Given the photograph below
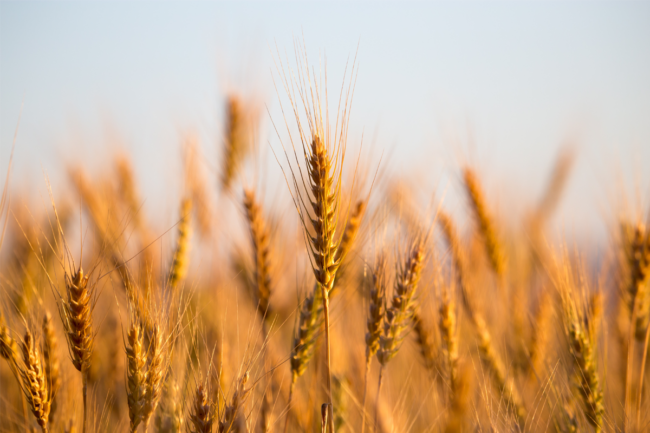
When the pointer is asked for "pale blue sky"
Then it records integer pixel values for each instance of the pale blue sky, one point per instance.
(517, 76)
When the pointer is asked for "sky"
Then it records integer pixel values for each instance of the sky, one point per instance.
(499, 84)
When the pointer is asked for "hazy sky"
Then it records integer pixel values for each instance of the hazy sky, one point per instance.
(503, 83)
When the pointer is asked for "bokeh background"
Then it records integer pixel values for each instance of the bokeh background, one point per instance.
(503, 85)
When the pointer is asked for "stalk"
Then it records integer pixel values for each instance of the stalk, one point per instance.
(381, 377)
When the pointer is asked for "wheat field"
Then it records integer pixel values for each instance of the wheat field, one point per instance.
(371, 310)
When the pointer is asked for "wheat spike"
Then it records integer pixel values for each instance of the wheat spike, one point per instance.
(540, 338)
(376, 308)
(136, 375)
(8, 346)
(401, 310)
(351, 231)
(638, 287)
(202, 416)
(484, 220)
(305, 339)
(77, 314)
(239, 122)
(181, 253)
(449, 334)
(34, 382)
(582, 346)
(51, 360)
(425, 341)
(260, 239)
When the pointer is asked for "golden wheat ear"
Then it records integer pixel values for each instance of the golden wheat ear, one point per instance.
(400, 313)
(34, 382)
(136, 374)
(76, 310)
(485, 221)
(202, 413)
(449, 332)
(8, 346)
(181, 252)
(260, 239)
(582, 347)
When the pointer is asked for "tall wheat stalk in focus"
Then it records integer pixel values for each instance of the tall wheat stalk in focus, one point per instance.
(318, 198)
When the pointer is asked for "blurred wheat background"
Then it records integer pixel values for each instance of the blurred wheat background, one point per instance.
(283, 217)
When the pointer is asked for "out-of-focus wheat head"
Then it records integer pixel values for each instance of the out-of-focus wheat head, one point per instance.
(260, 239)
(240, 127)
(485, 221)
(181, 252)
(202, 412)
(400, 313)
(580, 330)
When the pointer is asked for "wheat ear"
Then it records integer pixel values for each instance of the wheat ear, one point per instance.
(484, 220)
(181, 253)
(8, 346)
(348, 241)
(76, 314)
(202, 415)
(260, 240)
(448, 330)
(304, 341)
(51, 360)
(236, 144)
(34, 382)
(401, 311)
(582, 346)
(136, 374)
(424, 338)
(638, 289)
